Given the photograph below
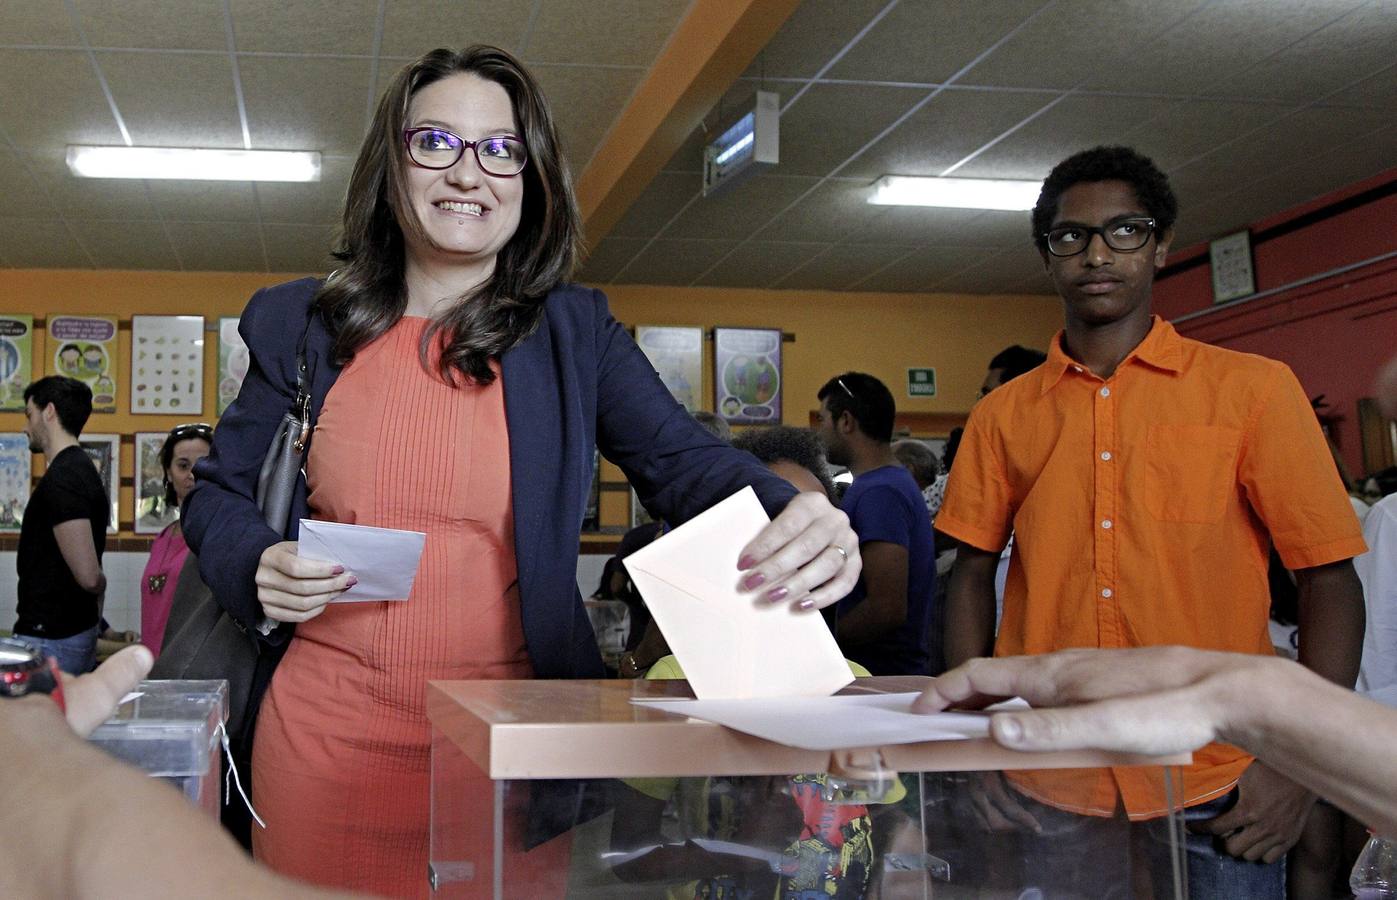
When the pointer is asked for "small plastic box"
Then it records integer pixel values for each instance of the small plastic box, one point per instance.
(171, 731)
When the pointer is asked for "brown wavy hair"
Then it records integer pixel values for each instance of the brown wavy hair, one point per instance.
(367, 294)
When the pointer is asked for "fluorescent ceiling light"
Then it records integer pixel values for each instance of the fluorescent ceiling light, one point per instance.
(197, 165)
(960, 193)
(742, 144)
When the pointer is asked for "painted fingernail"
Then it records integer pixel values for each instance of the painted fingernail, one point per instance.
(807, 603)
(338, 570)
(745, 562)
(351, 582)
(776, 595)
(755, 580)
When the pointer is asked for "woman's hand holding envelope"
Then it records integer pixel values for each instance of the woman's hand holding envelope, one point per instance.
(808, 556)
(292, 588)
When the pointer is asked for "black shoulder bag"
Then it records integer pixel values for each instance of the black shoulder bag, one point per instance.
(201, 639)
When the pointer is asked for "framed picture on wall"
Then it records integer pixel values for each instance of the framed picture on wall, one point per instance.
(105, 452)
(747, 375)
(84, 347)
(16, 360)
(677, 354)
(167, 365)
(151, 513)
(1232, 267)
(15, 468)
(232, 362)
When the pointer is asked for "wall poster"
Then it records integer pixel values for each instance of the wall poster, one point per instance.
(151, 514)
(105, 452)
(232, 362)
(15, 467)
(84, 347)
(747, 375)
(677, 354)
(167, 364)
(16, 360)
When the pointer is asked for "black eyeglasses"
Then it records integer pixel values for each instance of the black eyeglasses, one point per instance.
(1123, 235)
(192, 430)
(502, 155)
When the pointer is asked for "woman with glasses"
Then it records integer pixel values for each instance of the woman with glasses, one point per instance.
(184, 446)
(458, 386)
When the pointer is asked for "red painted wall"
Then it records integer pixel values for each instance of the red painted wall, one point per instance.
(1336, 332)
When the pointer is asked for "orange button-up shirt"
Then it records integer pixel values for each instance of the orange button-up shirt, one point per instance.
(1142, 507)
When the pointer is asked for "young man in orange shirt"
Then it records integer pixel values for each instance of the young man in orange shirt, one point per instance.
(1144, 476)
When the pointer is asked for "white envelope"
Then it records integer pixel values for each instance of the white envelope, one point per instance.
(383, 559)
(837, 723)
(732, 643)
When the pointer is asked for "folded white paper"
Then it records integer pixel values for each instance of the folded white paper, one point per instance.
(732, 643)
(383, 559)
(844, 722)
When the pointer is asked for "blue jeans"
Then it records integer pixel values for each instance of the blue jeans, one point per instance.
(76, 655)
(1101, 857)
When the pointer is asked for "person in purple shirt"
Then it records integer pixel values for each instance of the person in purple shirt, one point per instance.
(883, 623)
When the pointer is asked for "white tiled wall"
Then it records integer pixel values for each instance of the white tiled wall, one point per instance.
(123, 609)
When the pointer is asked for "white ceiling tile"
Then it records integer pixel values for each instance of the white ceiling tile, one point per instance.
(1184, 129)
(607, 258)
(674, 262)
(413, 27)
(203, 201)
(25, 195)
(994, 273)
(616, 32)
(1377, 90)
(155, 24)
(344, 27)
(40, 244)
(126, 245)
(299, 248)
(51, 99)
(840, 265)
(93, 199)
(217, 247)
(1064, 45)
(308, 203)
(736, 212)
(919, 270)
(832, 122)
(949, 128)
(814, 33)
(42, 22)
(305, 104)
(759, 263)
(943, 227)
(835, 210)
(1077, 123)
(175, 99)
(931, 40)
(1213, 46)
(665, 196)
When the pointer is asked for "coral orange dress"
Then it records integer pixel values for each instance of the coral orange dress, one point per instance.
(342, 749)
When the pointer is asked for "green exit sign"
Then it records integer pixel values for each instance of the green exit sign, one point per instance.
(921, 382)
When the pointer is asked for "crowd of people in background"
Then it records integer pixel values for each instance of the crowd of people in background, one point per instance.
(1120, 488)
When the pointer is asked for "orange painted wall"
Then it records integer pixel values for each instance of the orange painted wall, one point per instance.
(883, 334)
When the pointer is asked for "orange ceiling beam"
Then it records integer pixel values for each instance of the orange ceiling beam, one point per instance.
(713, 45)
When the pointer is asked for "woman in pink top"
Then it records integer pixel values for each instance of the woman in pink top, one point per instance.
(186, 445)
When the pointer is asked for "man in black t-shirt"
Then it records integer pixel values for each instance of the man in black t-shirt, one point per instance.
(65, 529)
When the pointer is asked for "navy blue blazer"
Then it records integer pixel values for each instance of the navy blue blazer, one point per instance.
(577, 382)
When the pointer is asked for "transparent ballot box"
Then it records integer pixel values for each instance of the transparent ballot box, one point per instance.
(171, 730)
(567, 789)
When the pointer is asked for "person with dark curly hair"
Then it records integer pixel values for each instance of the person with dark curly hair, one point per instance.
(1158, 473)
(793, 453)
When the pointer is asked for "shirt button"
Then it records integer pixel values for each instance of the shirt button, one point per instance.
(1106, 455)
(1105, 392)
(1106, 592)
(1105, 523)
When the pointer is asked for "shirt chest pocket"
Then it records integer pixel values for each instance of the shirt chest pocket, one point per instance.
(1190, 471)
